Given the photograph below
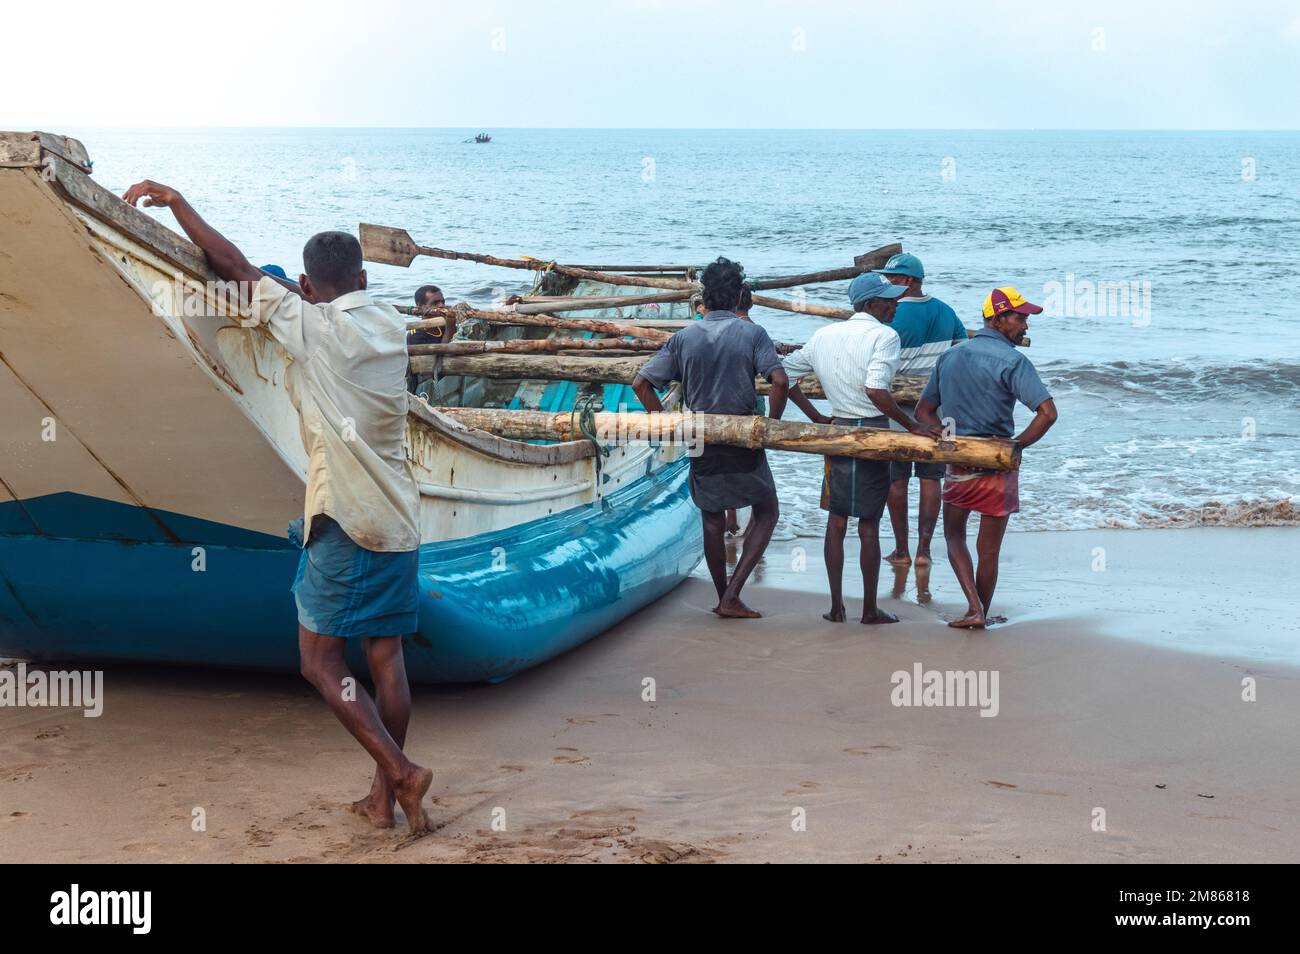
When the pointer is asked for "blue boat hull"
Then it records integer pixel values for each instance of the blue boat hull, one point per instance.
(490, 606)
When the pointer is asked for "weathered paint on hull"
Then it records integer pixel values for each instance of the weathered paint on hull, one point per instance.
(491, 606)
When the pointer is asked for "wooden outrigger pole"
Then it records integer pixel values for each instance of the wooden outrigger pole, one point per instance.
(602, 370)
(869, 443)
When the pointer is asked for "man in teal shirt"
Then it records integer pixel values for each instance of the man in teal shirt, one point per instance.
(926, 328)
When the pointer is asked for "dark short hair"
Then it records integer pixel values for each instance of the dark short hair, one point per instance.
(723, 281)
(424, 291)
(332, 258)
(746, 300)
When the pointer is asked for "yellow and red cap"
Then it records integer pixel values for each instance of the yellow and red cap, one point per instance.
(1005, 299)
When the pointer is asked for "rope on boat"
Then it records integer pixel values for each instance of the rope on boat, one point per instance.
(585, 411)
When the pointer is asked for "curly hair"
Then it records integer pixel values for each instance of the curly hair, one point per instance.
(723, 280)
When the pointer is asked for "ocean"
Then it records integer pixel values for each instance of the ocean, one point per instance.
(1168, 262)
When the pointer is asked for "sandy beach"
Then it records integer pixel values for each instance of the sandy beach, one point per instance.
(754, 727)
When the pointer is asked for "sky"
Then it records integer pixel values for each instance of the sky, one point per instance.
(903, 64)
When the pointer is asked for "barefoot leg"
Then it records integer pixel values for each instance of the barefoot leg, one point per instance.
(322, 664)
(833, 553)
(715, 550)
(897, 503)
(732, 526)
(988, 545)
(927, 519)
(393, 700)
(954, 533)
(763, 523)
(869, 536)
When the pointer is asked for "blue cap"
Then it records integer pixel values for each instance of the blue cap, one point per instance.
(904, 263)
(872, 285)
(275, 270)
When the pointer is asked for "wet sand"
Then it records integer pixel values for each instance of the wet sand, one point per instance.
(752, 722)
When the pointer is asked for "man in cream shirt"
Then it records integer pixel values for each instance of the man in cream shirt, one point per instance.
(357, 577)
(855, 362)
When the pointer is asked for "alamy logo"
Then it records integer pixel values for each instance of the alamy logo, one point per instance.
(20, 688)
(948, 687)
(102, 907)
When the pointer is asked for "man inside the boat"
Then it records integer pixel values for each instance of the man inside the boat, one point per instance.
(926, 327)
(428, 296)
(855, 360)
(978, 386)
(357, 575)
(716, 360)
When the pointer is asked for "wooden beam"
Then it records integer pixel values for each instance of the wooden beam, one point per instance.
(535, 346)
(868, 443)
(438, 316)
(606, 370)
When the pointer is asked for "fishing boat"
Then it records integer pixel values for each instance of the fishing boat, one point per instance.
(150, 463)
(481, 138)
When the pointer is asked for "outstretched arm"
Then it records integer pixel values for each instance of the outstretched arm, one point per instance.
(226, 260)
(884, 400)
(802, 402)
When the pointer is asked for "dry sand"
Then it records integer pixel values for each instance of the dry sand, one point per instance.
(752, 720)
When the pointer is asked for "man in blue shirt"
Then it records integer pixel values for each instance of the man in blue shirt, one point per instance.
(926, 328)
(977, 385)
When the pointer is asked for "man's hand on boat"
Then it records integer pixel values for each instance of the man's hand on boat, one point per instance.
(226, 260)
(153, 193)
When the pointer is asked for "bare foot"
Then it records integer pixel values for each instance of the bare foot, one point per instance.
(923, 558)
(734, 609)
(898, 558)
(376, 811)
(972, 620)
(836, 615)
(878, 616)
(410, 795)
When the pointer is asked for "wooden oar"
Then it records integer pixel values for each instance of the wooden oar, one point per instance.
(536, 345)
(865, 262)
(390, 246)
(868, 443)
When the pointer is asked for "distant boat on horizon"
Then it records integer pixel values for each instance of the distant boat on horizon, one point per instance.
(481, 137)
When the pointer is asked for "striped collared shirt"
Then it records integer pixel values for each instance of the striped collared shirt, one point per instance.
(926, 328)
(849, 357)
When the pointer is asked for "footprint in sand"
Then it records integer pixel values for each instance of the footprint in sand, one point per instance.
(574, 720)
(513, 768)
(871, 749)
(571, 760)
(803, 788)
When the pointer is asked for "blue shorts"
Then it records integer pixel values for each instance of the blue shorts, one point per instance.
(345, 590)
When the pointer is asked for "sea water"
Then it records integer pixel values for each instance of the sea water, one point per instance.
(1176, 380)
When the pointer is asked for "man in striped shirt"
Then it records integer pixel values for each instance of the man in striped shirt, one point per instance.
(926, 328)
(854, 360)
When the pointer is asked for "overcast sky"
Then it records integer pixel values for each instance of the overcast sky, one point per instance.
(1108, 64)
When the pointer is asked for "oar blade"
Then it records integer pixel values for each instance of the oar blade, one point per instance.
(387, 246)
(877, 257)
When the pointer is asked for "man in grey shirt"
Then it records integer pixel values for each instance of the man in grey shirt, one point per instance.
(977, 385)
(716, 360)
